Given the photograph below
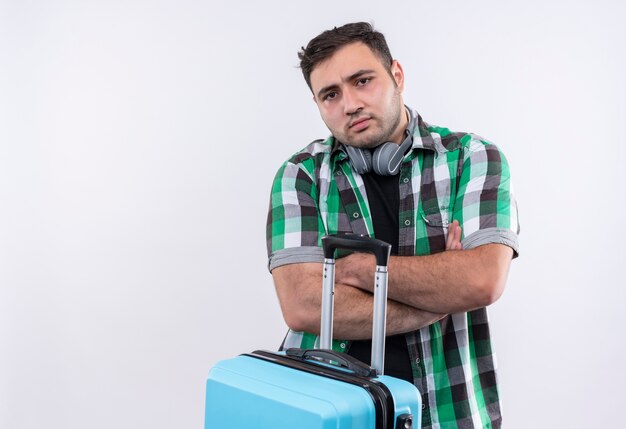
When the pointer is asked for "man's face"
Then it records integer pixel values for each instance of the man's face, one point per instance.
(360, 103)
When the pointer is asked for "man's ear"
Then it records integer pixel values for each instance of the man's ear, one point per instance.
(398, 74)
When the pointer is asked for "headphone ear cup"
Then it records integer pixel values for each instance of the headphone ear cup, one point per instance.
(383, 159)
(388, 157)
(361, 159)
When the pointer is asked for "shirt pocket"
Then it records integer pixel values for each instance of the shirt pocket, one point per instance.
(437, 217)
(436, 222)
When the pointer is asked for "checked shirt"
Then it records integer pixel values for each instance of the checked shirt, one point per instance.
(445, 176)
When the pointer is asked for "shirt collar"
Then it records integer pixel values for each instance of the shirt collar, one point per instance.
(424, 139)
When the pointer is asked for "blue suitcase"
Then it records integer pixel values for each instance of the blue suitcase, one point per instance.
(316, 388)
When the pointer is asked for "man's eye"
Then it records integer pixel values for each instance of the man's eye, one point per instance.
(330, 96)
(363, 81)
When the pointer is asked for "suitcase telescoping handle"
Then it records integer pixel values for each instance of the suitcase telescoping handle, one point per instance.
(381, 251)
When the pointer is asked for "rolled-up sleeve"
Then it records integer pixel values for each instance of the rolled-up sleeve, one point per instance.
(294, 226)
(485, 205)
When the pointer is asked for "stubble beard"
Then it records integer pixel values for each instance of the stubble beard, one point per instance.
(387, 125)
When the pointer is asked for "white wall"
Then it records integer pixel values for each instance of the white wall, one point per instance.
(138, 140)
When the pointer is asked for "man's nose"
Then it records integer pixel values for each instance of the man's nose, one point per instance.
(351, 102)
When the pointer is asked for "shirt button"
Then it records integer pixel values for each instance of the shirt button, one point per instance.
(406, 180)
(342, 345)
(423, 406)
(417, 360)
(355, 215)
(338, 173)
(407, 222)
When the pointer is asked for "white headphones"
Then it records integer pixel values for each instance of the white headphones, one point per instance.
(386, 158)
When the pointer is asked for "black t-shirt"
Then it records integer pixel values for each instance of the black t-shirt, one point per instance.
(383, 194)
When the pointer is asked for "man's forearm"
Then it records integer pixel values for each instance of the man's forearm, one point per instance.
(353, 315)
(444, 283)
(299, 292)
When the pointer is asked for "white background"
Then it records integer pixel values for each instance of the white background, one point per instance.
(138, 141)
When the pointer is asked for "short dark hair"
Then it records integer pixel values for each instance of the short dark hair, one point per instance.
(327, 43)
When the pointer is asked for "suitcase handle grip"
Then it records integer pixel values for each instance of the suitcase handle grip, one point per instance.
(379, 248)
(344, 360)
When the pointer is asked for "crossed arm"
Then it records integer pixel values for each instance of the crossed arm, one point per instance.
(300, 295)
(422, 289)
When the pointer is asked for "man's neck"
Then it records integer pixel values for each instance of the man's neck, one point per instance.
(398, 136)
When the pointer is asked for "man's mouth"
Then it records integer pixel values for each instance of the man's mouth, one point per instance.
(359, 124)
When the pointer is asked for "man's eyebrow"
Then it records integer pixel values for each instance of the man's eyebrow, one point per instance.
(350, 78)
(326, 89)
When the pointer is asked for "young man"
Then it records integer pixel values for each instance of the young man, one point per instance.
(384, 172)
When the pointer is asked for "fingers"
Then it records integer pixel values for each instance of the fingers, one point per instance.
(457, 237)
(453, 241)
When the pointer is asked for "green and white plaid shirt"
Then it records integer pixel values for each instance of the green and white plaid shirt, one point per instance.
(446, 176)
